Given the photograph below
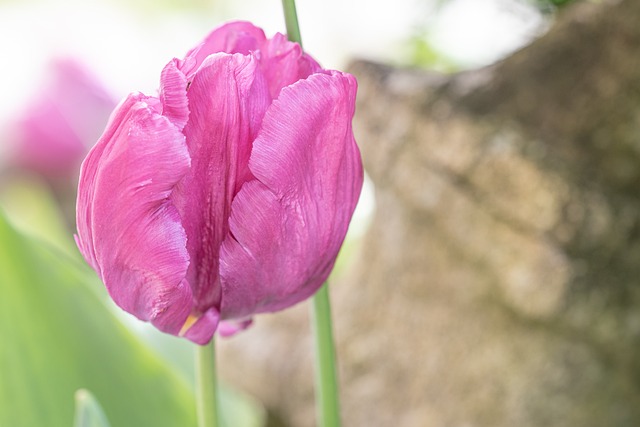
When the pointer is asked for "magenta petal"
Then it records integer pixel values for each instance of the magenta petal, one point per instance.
(234, 37)
(204, 327)
(230, 328)
(287, 225)
(173, 94)
(229, 194)
(128, 229)
(227, 100)
(284, 63)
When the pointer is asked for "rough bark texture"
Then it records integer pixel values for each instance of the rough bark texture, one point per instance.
(498, 283)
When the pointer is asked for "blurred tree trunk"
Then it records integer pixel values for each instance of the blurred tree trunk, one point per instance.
(498, 283)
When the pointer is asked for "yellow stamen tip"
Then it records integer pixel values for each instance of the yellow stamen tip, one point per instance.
(188, 324)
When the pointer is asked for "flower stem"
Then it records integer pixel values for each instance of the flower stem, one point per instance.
(327, 406)
(207, 386)
(291, 21)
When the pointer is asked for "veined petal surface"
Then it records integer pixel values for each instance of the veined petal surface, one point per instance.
(284, 63)
(287, 224)
(173, 94)
(229, 194)
(128, 229)
(228, 98)
(234, 37)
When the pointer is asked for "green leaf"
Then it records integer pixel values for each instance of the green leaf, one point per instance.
(56, 337)
(88, 411)
(239, 410)
(31, 208)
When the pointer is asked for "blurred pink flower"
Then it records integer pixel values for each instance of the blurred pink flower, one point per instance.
(62, 122)
(227, 195)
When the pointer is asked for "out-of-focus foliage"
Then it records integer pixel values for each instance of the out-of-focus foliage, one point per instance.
(57, 337)
(560, 2)
(422, 53)
(88, 411)
(239, 411)
(31, 207)
(543, 5)
(481, 33)
(550, 6)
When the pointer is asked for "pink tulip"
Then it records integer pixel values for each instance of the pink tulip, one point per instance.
(227, 195)
(60, 124)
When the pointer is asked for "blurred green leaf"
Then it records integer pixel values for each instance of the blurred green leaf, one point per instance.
(239, 410)
(57, 336)
(88, 411)
(557, 2)
(549, 7)
(423, 54)
(31, 207)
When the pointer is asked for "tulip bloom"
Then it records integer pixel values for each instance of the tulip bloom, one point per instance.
(59, 126)
(227, 195)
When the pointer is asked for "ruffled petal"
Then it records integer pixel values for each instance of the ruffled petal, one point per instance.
(173, 94)
(227, 100)
(287, 225)
(128, 229)
(234, 37)
(284, 63)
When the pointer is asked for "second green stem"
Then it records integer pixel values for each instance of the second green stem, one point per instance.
(327, 402)
(326, 378)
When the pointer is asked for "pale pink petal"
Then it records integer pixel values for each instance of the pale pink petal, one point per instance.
(227, 98)
(61, 123)
(230, 328)
(128, 230)
(45, 142)
(287, 225)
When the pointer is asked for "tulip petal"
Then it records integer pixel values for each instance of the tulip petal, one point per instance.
(204, 327)
(173, 94)
(284, 63)
(234, 37)
(128, 230)
(287, 225)
(230, 328)
(227, 100)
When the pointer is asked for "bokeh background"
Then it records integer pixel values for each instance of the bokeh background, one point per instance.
(66, 63)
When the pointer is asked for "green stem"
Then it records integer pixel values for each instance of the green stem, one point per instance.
(291, 21)
(328, 408)
(207, 386)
